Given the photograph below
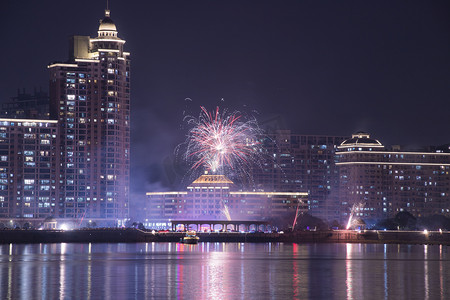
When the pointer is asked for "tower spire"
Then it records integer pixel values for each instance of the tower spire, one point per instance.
(107, 11)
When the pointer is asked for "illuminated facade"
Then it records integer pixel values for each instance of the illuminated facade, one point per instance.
(387, 182)
(90, 98)
(28, 169)
(207, 197)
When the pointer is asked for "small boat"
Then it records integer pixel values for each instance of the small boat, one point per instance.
(190, 238)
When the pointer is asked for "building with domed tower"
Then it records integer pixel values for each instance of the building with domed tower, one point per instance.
(215, 197)
(90, 99)
(381, 182)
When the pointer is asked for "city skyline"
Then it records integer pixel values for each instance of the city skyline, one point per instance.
(329, 69)
(319, 160)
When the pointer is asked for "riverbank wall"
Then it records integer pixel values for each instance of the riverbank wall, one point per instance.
(368, 236)
(112, 235)
(129, 235)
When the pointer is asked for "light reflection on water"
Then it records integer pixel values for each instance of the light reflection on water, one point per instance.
(224, 271)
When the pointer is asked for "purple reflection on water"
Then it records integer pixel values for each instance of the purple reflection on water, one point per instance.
(223, 271)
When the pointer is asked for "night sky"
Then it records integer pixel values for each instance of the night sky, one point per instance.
(323, 67)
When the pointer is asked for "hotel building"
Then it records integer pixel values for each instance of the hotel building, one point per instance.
(384, 182)
(215, 197)
(90, 98)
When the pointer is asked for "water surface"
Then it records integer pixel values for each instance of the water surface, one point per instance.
(224, 271)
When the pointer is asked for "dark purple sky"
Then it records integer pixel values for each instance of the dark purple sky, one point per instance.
(326, 67)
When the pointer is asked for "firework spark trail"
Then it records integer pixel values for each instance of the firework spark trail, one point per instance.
(219, 140)
(355, 208)
(226, 212)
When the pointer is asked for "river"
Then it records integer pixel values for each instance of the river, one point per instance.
(224, 271)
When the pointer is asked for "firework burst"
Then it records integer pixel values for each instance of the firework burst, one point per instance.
(218, 141)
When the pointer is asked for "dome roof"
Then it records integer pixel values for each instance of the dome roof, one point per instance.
(107, 24)
(361, 139)
(213, 179)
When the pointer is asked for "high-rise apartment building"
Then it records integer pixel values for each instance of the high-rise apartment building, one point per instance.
(90, 99)
(28, 169)
(304, 163)
(27, 106)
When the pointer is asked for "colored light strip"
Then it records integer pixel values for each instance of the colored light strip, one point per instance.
(28, 121)
(270, 193)
(389, 152)
(390, 163)
(87, 60)
(166, 193)
(62, 65)
(107, 40)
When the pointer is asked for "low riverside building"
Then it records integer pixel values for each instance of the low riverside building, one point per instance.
(215, 197)
(379, 183)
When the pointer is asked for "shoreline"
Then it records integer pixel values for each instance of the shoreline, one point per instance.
(130, 235)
